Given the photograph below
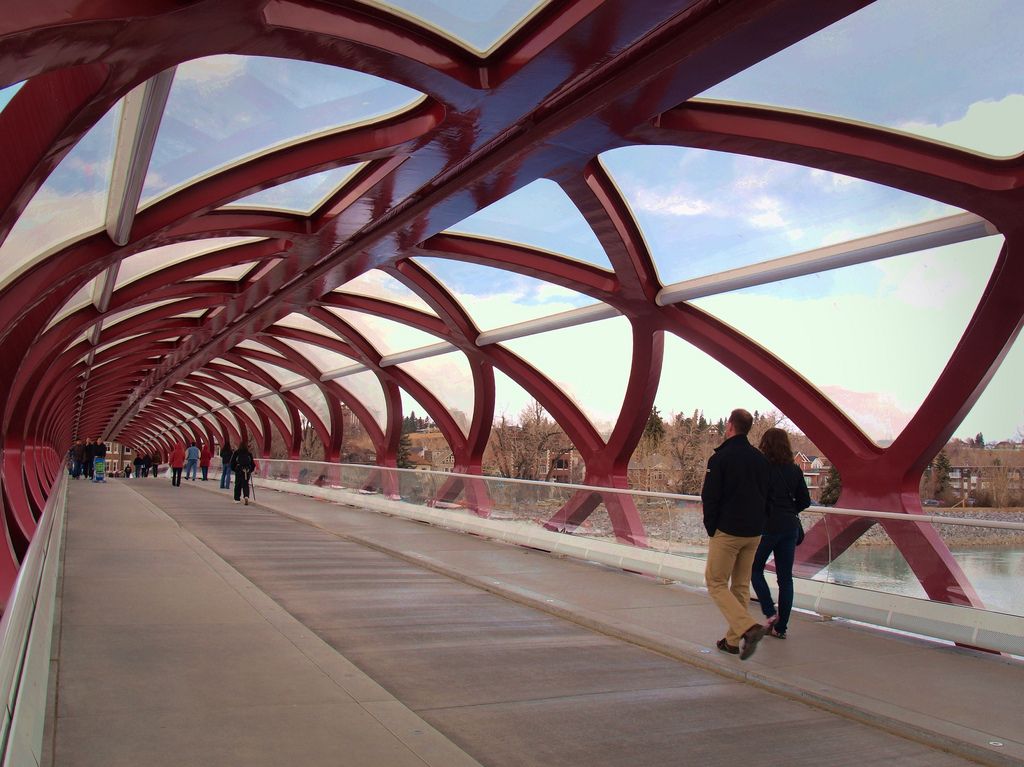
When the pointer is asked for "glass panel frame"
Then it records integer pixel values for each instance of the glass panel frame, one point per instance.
(246, 124)
(954, 81)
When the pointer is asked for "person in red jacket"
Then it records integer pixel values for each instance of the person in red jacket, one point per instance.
(177, 462)
(205, 454)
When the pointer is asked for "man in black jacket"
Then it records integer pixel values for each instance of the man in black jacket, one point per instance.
(735, 496)
(242, 463)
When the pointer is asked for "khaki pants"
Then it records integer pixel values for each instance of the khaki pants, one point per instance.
(730, 558)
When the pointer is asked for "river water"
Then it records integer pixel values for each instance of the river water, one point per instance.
(996, 572)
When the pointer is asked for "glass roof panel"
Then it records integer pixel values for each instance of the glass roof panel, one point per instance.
(313, 397)
(229, 394)
(386, 336)
(302, 322)
(192, 314)
(118, 342)
(872, 337)
(595, 382)
(249, 410)
(956, 79)
(228, 273)
(8, 93)
(257, 346)
(479, 26)
(377, 284)
(124, 314)
(325, 360)
(494, 297)
(79, 340)
(71, 203)
(366, 388)
(149, 261)
(303, 195)
(449, 378)
(275, 404)
(225, 109)
(222, 361)
(703, 212)
(207, 400)
(692, 380)
(510, 399)
(998, 415)
(232, 419)
(541, 216)
(250, 386)
(282, 375)
(81, 299)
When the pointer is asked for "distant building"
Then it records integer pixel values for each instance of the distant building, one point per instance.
(815, 470)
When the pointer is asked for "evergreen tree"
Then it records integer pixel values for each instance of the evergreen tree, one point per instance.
(942, 467)
(404, 446)
(979, 440)
(654, 431)
(832, 488)
(409, 423)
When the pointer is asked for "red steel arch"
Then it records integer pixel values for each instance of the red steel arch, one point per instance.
(580, 78)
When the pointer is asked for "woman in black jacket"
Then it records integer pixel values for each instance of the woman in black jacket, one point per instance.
(787, 497)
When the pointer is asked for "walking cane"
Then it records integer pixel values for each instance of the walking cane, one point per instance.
(252, 487)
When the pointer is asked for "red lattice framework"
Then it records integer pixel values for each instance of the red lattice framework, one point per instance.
(580, 78)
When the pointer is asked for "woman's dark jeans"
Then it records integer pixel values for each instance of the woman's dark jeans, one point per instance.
(176, 476)
(783, 545)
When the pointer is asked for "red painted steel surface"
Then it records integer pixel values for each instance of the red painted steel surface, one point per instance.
(582, 77)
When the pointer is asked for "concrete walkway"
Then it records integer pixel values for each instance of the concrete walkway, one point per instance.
(449, 625)
(167, 656)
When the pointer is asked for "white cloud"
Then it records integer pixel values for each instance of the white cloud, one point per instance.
(767, 212)
(211, 72)
(832, 182)
(378, 284)
(548, 291)
(990, 127)
(934, 280)
(672, 204)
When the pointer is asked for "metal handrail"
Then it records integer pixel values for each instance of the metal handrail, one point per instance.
(831, 510)
(20, 611)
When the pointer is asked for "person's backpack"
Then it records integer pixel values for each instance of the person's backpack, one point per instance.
(243, 461)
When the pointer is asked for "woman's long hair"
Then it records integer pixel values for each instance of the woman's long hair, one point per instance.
(775, 446)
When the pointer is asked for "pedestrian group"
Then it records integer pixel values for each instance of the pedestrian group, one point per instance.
(87, 459)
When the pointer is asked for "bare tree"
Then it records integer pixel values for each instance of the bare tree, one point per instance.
(529, 448)
(692, 440)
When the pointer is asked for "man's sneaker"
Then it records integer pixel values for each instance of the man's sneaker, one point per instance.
(246, 501)
(753, 635)
(724, 646)
(236, 501)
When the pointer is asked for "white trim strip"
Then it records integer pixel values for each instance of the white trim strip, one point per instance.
(567, 319)
(412, 355)
(141, 113)
(895, 242)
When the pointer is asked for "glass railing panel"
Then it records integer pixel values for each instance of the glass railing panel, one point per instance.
(874, 562)
(991, 559)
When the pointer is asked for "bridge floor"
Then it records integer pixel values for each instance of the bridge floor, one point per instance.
(196, 631)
